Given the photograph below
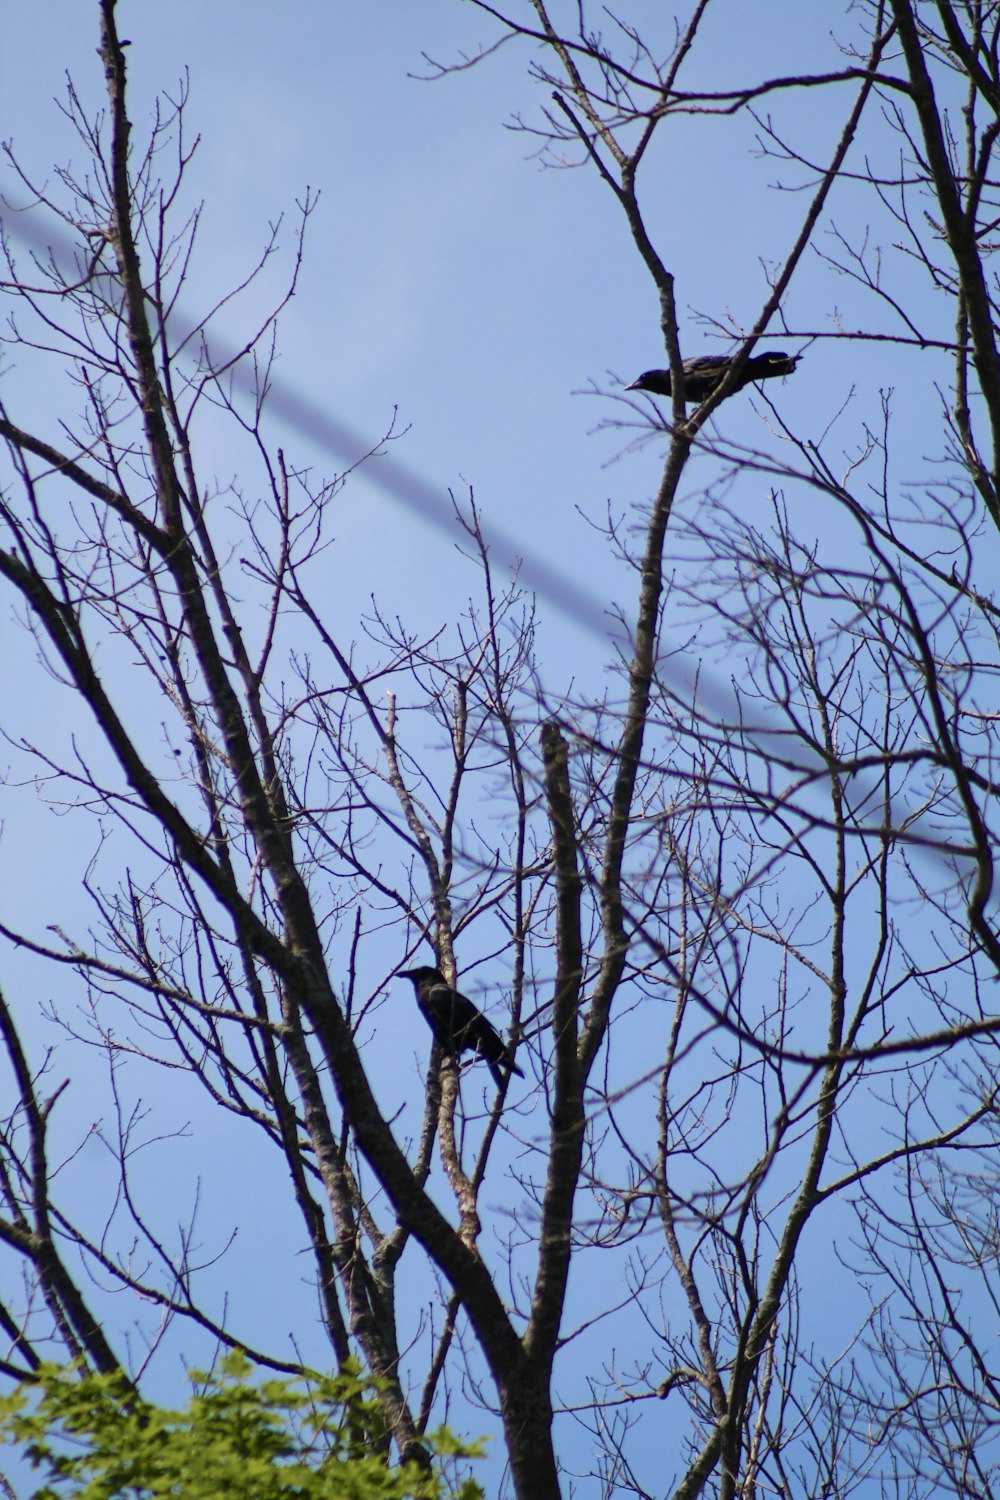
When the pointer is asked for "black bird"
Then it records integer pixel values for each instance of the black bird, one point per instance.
(704, 372)
(457, 1023)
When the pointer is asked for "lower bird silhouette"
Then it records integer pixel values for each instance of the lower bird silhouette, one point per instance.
(456, 1022)
(705, 371)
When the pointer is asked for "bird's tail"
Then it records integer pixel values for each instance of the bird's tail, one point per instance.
(502, 1067)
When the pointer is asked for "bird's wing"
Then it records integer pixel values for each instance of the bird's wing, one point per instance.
(486, 1040)
(455, 1019)
(458, 1024)
(435, 1000)
(707, 364)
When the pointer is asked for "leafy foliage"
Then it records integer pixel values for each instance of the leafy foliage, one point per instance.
(271, 1439)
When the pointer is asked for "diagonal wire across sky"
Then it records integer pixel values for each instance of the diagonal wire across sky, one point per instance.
(346, 445)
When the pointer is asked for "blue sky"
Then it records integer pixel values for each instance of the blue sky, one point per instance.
(450, 276)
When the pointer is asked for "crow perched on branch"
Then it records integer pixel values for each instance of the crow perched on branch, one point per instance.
(704, 372)
(457, 1023)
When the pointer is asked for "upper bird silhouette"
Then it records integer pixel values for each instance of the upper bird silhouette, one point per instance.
(704, 372)
(457, 1023)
